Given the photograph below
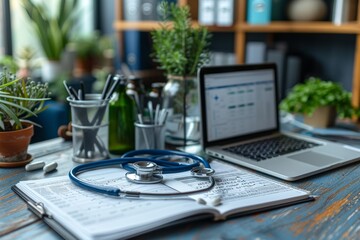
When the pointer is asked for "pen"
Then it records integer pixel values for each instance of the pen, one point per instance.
(157, 109)
(106, 87)
(113, 87)
(68, 90)
(151, 112)
(143, 131)
(82, 88)
(80, 94)
(74, 94)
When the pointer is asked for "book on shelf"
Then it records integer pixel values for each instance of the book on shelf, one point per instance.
(344, 11)
(222, 58)
(77, 213)
(224, 12)
(131, 10)
(255, 52)
(207, 12)
(137, 49)
(292, 73)
(278, 56)
(278, 10)
(258, 11)
(148, 9)
(143, 10)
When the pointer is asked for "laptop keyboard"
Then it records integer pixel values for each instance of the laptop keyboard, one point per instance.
(272, 147)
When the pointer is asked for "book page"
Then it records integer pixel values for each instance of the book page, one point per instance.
(93, 216)
(239, 189)
(90, 215)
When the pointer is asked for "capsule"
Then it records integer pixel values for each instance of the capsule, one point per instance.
(50, 167)
(201, 201)
(216, 201)
(34, 166)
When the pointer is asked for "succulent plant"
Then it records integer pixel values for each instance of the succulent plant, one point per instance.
(19, 99)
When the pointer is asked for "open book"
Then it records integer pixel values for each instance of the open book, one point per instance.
(74, 212)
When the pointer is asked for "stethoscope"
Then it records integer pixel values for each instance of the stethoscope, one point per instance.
(147, 170)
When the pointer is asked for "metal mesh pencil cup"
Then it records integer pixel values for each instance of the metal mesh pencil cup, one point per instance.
(149, 136)
(89, 128)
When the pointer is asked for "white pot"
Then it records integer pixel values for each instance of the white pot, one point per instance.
(50, 70)
(307, 10)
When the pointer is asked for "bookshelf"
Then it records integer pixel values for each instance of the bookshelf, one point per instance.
(241, 29)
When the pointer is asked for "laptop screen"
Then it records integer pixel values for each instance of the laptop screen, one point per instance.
(239, 102)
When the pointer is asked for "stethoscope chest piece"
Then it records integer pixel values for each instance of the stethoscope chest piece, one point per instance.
(145, 173)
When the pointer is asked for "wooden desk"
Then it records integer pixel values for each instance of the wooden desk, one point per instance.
(335, 215)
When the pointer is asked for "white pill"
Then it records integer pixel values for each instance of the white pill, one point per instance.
(201, 201)
(50, 167)
(216, 201)
(34, 166)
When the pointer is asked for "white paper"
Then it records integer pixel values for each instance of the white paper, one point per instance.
(239, 189)
(94, 216)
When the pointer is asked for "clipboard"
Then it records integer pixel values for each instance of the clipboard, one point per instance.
(40, 211)
(119, 216)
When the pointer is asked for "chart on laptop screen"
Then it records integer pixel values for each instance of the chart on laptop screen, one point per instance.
(239, 103)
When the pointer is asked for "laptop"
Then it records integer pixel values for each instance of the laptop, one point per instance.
(240, 124)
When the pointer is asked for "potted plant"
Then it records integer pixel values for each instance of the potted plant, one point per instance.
(22, 63)
(19, 98)
(52, 30)
(179, 50)
(87, 51)
(320, 102)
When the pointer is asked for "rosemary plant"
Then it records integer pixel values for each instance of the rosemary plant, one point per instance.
(19, 99)
(179, 48)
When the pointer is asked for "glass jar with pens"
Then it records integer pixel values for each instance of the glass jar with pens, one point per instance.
(150, 131)
(90, 121)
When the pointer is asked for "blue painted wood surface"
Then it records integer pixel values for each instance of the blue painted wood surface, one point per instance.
(334, 215)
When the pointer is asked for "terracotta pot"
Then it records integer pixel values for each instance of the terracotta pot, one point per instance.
(84, 66)
(14, 144)
(323, 117)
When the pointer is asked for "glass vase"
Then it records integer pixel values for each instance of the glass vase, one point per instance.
(180, 98)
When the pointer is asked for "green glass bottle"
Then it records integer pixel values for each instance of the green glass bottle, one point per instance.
(121, 122)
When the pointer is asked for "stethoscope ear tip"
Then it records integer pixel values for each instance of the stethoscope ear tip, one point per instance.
(202, 172)
(215, 201)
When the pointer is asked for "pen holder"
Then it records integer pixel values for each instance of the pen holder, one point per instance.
(89, 128)
(149, 136)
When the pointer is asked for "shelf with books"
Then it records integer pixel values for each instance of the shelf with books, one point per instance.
(241, 29)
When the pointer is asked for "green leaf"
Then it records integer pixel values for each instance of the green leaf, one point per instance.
(11, 114)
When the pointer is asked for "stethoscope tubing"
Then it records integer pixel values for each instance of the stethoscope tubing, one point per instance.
(166, 166)
(160, 153)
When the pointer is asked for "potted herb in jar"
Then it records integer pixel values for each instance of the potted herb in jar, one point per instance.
(179, 50)
(320, 102)
(19, 99)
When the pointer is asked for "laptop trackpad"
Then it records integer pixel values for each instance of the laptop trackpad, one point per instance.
(316, 159)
